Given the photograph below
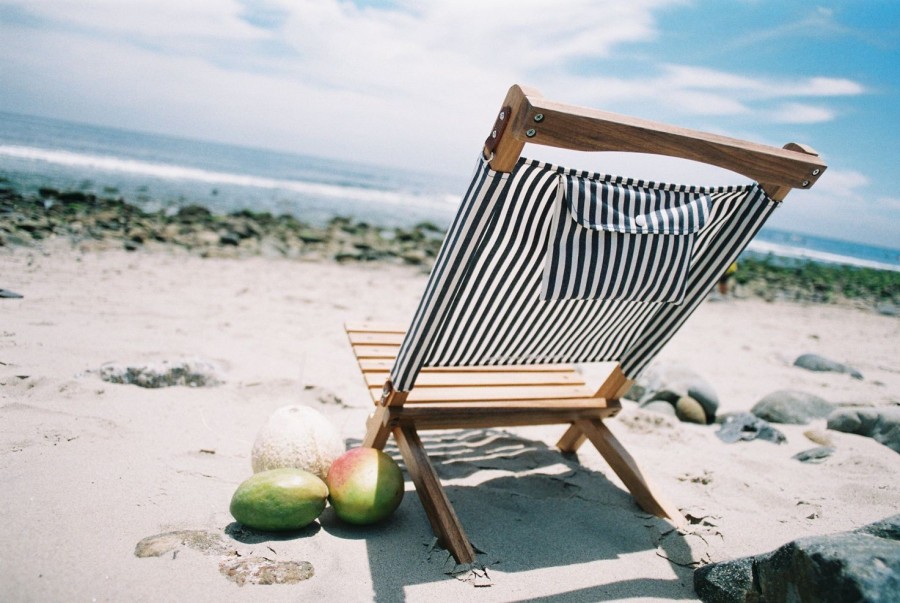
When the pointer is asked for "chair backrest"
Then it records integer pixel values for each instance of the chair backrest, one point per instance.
(544, 265)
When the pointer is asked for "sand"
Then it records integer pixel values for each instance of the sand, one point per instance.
(89, 469)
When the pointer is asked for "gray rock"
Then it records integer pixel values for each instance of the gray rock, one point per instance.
(744, 426)
(887, 309)
(194, 373)
(725, 582)
(230, 238)
(862, 565)
(659, 406)
(670, 382)
(814, 455)
(880, 424)
(792, 407)
(814, 362)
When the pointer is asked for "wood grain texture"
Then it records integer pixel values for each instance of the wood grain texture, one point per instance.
(440, 512)
(540, 121)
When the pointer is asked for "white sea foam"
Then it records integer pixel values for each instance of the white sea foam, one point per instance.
(175, 172)
(788, 251)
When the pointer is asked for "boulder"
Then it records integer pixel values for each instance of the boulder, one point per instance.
(862, 565)
(880, 424)
(814, 362)
(792, 407)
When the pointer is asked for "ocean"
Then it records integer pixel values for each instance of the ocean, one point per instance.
(162, 172)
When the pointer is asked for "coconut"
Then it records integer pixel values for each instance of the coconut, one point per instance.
(297, 436)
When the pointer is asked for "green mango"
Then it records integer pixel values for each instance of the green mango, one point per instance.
(279, 499)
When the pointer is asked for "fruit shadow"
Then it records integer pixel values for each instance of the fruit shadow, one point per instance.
(524, 506)
(242, 533)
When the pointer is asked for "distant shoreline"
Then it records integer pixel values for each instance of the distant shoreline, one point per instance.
(89, 222)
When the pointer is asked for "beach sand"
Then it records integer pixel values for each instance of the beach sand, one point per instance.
(89, 469)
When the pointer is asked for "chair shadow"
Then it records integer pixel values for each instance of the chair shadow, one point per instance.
(535, 508)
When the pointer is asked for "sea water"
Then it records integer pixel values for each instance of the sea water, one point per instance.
(162, 172)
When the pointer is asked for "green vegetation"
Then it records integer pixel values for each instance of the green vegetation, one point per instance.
(771, 277)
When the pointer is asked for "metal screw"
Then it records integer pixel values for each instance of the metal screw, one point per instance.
(816, 172)
(805, 183)
(502, 115)
(539, 117)
(531, 133)
(494, 134)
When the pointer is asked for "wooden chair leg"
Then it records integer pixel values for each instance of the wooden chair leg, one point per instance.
(378, 429)
(627, 469)
(437, 506)
(572, 440)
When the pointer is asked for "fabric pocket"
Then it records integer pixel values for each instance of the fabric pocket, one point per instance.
(619, 240)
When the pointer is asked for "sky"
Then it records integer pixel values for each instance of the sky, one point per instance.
(416, 84)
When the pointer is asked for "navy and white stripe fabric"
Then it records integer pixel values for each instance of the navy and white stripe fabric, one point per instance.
(614, 240)
(486, 302)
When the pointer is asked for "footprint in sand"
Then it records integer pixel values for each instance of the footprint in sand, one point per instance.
(239, 569)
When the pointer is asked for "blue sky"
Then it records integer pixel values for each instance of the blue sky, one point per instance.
(415, 84)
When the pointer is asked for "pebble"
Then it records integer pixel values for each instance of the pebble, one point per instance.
(814, 455)
(689, 410)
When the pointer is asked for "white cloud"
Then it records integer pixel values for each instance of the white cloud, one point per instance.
(799, 113)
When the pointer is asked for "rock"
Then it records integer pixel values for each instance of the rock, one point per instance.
(195, 373)
(724, 582)
(746, 426)
(414, 257)
(819, 436)
(814, 455)
(7, 294)
(230, 238)
(690, 411)
(887, 309)
(862, 565)
(880, 424)
(193, 213)
(312, 236)
(814, 362)
(671, 382)
(660, 406)
(792, 407)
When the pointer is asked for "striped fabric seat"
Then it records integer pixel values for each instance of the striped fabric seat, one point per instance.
(545, 265)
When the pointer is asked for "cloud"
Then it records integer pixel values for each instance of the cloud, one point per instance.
(798, 113)
(384, 80)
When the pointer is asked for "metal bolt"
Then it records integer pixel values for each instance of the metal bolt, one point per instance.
(816, 172)
(502, 115)
(539, 117)
(805, 183)
(494, 134)
(531, 133)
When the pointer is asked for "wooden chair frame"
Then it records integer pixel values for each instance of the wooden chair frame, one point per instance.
(478, 397)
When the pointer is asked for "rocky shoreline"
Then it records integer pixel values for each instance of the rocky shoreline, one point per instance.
(89, 222)
(92, 222)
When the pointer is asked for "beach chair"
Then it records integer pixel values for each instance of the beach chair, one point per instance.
(543, 268)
